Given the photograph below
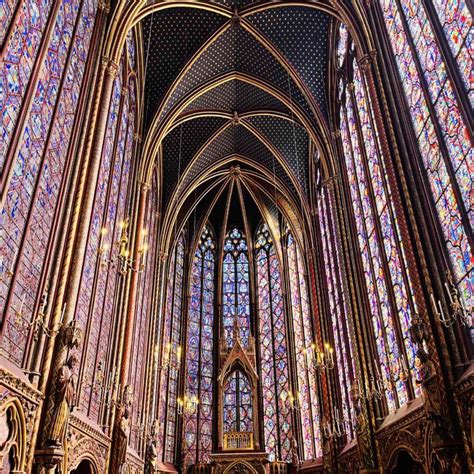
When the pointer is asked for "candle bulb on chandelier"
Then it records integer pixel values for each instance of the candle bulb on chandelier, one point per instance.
(449, 292)
(63, 314)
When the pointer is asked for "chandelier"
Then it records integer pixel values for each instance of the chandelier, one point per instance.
(122, 259)
(187, 405)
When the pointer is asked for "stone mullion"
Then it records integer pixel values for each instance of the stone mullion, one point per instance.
(308, 278)
(164, 271)
(167, 370)
(275, 378)
(181, 377)
(152, 344)
(331, 246)
(371, 257)
(98, 263)
(257, 335)
(129, 314)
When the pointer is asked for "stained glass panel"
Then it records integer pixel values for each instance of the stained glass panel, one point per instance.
(199, 352)
(171, 347)
(302, 327)
(273, 349)
(236, 298)
(40, 168)
(459, 154)
(18, 60)
(238, 409)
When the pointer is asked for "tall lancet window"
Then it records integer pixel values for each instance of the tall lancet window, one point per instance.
(171, 353)
(44, 56)
(338, 302)
(432, 44)
(383, 257)
(199, 352)
(97, 298)
(238, 408)
(273, 348)
(303, 333)
(235, 291)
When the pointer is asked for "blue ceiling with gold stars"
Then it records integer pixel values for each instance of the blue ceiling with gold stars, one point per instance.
(268, 66)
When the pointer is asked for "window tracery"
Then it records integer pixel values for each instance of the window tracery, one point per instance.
(303, 332)
(199, 352)
(277, 420)
(236, 291)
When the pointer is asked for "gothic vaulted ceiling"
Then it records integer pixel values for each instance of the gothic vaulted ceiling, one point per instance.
(236, 84)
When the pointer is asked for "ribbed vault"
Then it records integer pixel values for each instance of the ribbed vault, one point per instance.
(241, 88)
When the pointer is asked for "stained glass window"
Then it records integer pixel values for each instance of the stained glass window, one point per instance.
(235, 294)
(442, 132)
(143, 317)
(171, 354)
(238, 409)
(383, 257)
(40, 161)
(303, 333)
(338, 304)
(273, 349)
(197, 443)
(99, 284)
(456, 21)
(21, 50)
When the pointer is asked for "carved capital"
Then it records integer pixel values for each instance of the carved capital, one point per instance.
(367, 60)
(110, 66)
(145, 186)
(163, 256)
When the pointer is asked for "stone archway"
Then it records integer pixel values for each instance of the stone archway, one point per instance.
(85, 467)
(405, 464)
(12, 437)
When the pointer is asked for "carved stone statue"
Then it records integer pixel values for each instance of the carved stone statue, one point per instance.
(122, 440)
(426, 377)
(152, 450)
(295, 459)
(64, 393)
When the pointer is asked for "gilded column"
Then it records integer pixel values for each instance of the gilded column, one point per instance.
(122, 409)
